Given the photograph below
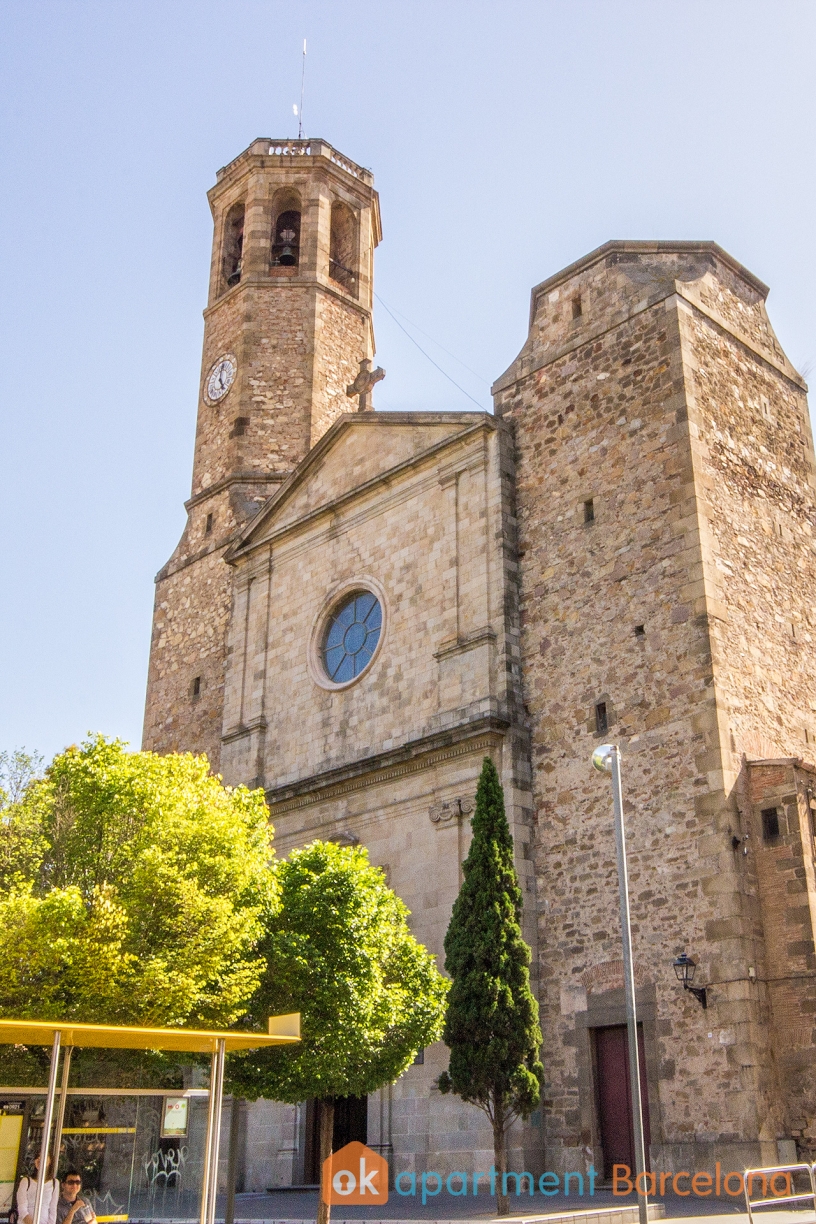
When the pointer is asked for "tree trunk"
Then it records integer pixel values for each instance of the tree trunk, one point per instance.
(326, 1135)
(500, 1157)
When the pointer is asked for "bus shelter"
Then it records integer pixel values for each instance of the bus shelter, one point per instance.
(65, 1036)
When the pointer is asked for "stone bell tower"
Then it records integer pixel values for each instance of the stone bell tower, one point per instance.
(287, 323)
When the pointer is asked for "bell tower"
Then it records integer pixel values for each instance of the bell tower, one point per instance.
(287, 323)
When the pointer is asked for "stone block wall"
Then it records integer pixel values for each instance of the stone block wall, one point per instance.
(420, 505)
(619, 593)
(344, 331)
(779, 812)
(754, 470)
(190, 618)
(270, 330)
(298, 346)
(426, 540)
(754, 473)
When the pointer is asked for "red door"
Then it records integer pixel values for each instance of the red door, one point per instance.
(615, 1098)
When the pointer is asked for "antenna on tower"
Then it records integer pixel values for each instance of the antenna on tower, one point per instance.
(302, 83)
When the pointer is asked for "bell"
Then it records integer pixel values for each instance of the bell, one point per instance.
(287, 259)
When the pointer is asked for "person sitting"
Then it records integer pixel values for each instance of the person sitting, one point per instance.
(27, 1198)
(71, 1209)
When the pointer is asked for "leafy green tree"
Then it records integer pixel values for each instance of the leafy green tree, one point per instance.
(17, 770)
(339, 951)
(492, 1024)
(21, 842)
(133, 889)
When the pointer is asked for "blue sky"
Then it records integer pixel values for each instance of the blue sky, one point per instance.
(507, 139)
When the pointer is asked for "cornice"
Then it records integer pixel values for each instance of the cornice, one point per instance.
(482, 733)
(469, 641)
(255, 724)
(253, 477)
(776, 762)
(667, 247)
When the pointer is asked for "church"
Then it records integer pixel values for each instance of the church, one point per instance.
(364, 604)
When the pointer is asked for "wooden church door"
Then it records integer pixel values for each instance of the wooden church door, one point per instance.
(615, 1099)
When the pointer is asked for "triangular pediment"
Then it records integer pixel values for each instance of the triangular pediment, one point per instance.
(358, 449)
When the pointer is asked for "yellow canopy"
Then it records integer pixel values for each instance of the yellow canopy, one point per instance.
(283, 1030)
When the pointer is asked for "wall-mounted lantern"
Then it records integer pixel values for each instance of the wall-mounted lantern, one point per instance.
(685, 968)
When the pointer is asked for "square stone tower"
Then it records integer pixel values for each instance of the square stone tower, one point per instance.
(287, 323)
(667, 508)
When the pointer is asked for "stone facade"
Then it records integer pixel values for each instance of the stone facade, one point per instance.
(623, 551)
(416, 508)
(778, 810)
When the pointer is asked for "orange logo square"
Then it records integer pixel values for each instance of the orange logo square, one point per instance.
(355, 1174)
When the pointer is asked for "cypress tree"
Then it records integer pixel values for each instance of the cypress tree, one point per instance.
(491, 1024)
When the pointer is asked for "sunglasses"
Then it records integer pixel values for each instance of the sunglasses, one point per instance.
(73, 1181)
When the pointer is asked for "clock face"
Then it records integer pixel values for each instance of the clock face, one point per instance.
(221, 378)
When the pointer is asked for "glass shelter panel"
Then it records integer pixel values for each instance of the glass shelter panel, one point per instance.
(140, 1157)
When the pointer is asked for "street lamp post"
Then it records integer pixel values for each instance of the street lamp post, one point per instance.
(607, 759)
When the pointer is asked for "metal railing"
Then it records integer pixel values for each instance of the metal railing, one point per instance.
(767, 1176)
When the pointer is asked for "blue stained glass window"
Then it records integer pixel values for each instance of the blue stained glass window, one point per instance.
(352, 636)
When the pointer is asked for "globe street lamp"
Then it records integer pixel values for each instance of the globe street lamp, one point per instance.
(607, 759)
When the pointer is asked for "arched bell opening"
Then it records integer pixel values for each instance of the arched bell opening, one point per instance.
(343, 247)
(286, 239)
(233, 244)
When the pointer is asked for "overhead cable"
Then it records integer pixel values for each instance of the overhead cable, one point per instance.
(424, 354)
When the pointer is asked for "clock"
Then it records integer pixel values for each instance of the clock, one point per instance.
(221, 377)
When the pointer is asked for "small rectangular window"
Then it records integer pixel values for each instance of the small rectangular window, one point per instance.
(589, 511)
(640, 631)
(601, 718)
(196, 689)
(770, 823)
(419, 1061)
(239, 427)
(577, 308)
(208, 525)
